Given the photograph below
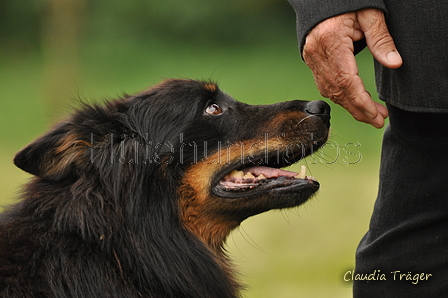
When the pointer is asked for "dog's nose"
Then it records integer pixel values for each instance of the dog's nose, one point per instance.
(317, 108)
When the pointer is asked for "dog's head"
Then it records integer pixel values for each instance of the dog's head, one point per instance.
(215, 159)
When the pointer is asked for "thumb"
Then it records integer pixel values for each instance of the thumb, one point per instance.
(379, 41)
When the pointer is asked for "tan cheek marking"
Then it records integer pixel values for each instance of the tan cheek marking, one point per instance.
(199, 208)
(195, 203)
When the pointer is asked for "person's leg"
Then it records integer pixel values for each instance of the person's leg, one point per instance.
(407, 239)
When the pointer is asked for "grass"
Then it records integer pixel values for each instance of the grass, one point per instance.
(302, 252)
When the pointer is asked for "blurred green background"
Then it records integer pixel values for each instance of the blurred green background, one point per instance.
(54, 52)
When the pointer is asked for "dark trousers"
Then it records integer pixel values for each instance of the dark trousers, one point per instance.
(405, 251)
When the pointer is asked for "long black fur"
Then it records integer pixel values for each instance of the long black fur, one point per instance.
(101, 217)
(67, 238)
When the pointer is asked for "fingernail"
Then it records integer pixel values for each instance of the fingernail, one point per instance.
(393, 58)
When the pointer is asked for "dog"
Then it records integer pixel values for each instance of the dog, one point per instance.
(135, 197)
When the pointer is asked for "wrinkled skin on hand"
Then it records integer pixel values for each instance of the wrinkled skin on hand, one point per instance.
(328, 51)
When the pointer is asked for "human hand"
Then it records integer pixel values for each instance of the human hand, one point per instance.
(328, 51)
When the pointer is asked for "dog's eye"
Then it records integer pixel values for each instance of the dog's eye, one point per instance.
(213, 109)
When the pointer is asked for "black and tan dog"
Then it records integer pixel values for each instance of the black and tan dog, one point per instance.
(135, 198)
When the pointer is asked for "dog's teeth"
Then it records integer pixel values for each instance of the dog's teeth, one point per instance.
(248, 175)
(236, 174)
(302, 173)
(261, 177)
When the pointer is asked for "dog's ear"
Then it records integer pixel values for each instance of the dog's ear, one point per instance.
(54, 155)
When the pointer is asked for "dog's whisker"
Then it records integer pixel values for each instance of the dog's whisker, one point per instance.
(308, 117)
(249, 239)
(285, 216)
(236, 245)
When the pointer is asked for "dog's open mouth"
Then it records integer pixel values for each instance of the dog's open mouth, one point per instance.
(254, 180)
(256, 176)
(250, 179)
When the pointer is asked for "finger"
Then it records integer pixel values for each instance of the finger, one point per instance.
(360, 115)
(329, 54)
(378, 38)
(358, 102)
(349, 89)
(377, 122)
(382, 110)
(336, 76)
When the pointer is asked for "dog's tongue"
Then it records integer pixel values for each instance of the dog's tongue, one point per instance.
(251, 177)
(269, 172)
